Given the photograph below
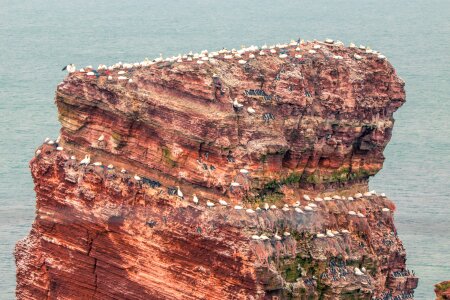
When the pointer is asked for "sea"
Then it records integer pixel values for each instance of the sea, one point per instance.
(38, 38)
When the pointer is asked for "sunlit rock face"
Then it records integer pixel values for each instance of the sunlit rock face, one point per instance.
(275, 147)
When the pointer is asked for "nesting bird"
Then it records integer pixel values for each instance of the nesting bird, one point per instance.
(251, 110)
(223, 202)
(70, 68)
(180, 193)
(358, 272)
(237, 105)
(308, 208)
(195, 199)
(209, 204)
(86, 160)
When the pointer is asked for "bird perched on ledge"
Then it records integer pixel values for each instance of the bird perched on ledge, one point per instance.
(70, 68)
(86, 160)
(180, 193)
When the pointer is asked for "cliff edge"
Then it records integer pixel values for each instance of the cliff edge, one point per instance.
(220, 175)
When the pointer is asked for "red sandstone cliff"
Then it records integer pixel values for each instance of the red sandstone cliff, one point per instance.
(319, 128)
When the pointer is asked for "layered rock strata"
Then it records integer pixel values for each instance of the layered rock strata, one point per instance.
(277, 148)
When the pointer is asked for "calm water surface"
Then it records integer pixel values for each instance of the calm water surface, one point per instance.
(38, 37)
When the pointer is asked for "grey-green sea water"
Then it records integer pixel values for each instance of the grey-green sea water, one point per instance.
(38, 37)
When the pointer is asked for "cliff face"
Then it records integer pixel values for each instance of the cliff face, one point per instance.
(284, 179)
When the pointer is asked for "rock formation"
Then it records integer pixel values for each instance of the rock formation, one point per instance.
(442, 290)
(282, 143)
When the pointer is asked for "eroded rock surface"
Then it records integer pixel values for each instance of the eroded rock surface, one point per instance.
(295, 165)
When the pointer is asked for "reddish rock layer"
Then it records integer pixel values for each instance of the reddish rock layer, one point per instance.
(101, 234)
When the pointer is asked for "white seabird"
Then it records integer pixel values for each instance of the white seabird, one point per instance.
(86, 160)
(360, 215)
(352, 213)
(70, 68)
(238, 207)
(320, 235)
(312, 205)
(297, 209)
(123, 171)
(250, 211)
(209, 204)
(101, 138)
(287, 233)
(110, 167)
(277, 237)
(251, 110)
(263, 237)
(306, 197)
(256, 237)
(266, 206)
(180, 193)
(243, 171)
(223, 202)
(73, 157)
(236, 104)
(137, 178)
(358, 272)
(195, 199)
(308, 208)
(357, 57)
(97, 163)
(273, 207)
(318, 199)
(385, 209)
(358, 195)
(59, 148)
(283, 55)
(327, 199)
(242, 62)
